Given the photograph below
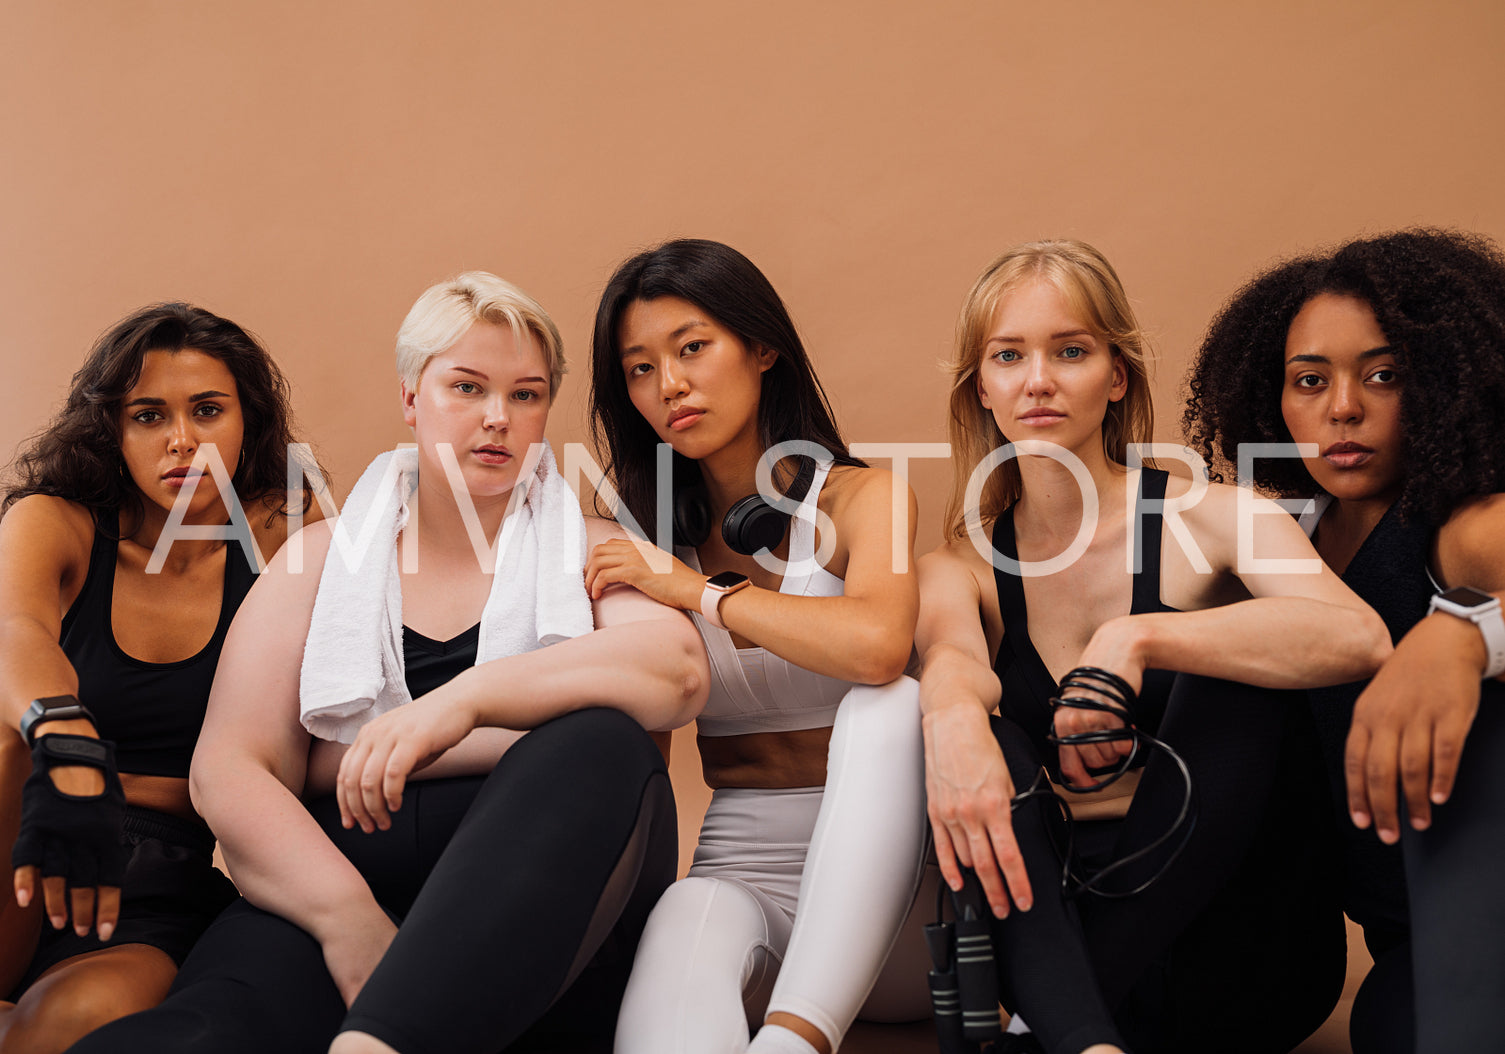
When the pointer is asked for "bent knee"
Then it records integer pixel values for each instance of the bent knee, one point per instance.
(884, 716)
(60, 1016)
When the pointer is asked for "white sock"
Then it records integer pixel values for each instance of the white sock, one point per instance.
(776, 1039)
(1017, 1025)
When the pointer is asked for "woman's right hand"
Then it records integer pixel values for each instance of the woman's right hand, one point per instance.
(969, 797)
(353, 948)
(72, 813)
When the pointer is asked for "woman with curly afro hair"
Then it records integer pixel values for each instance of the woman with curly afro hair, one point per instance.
(1385, 361)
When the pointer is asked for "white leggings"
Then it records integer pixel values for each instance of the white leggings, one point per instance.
(849, 855)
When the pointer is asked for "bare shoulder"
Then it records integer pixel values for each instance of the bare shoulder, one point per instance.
(41, 523)
(270, 522)
(955, 556)
(856, 485)
(598, 529)
(1468, 551)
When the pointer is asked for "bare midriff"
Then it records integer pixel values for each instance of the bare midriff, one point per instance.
(167, 794)
(766, 759)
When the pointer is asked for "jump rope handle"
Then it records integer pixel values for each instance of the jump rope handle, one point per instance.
(964, 980)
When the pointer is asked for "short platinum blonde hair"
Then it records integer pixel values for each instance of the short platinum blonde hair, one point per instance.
(445, 313)
(1091, 286)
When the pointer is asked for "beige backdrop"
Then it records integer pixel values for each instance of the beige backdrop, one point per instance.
(307, 169)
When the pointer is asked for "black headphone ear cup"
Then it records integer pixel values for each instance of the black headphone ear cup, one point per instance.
(692, 517)
(752, 525)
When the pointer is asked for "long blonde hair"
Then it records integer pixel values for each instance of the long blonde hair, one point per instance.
(1089, 283)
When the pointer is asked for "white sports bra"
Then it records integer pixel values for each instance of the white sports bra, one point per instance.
(753, 690)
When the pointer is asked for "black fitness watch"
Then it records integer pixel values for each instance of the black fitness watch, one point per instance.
(52, 708)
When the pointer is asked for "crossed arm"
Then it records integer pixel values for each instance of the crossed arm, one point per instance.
(250, 767)
(1297, 630)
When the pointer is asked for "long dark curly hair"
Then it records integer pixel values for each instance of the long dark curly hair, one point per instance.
(78, 456)
(1439, 297)
(726, 284)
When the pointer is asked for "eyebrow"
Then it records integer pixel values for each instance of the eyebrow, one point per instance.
(1054, 336)
(675, 335)
(196, 397)
(1372, 353)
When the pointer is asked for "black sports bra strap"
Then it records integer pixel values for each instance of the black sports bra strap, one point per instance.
(1146, 596)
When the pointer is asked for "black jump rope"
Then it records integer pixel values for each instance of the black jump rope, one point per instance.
(964, 981)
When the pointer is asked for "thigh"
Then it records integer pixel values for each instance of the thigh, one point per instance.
(78, 995)
(1383, 1019)
(704, 968)
(1453, 874)
(253, 983)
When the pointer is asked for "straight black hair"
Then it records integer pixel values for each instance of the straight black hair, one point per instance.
(721, 281)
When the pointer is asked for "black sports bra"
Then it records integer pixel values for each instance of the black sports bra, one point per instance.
(1027, 683)
(152, 710)
(428, 663)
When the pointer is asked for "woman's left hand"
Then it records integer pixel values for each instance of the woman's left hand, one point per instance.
(386, 751)
(1114, 647)
(621, 561)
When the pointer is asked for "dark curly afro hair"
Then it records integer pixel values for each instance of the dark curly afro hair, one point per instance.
(1439, 296)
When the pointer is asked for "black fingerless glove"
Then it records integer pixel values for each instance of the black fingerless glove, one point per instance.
(76, 837)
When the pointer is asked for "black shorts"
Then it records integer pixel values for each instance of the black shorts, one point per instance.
(172, 891)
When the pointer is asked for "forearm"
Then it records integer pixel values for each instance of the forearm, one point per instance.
(32, 666)
(1268, 642)
(279, 857)
(850, 638)
(654, 671)
(951, 678)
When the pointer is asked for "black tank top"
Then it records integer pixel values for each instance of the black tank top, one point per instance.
(152, 710)
(428, 663)
(1027, 683)
(1389, 573)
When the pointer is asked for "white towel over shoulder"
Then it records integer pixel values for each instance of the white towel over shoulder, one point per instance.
(353, 663)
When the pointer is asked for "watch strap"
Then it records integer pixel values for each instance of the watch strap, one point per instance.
(51, 708)
(710, 601)
(1490, 619)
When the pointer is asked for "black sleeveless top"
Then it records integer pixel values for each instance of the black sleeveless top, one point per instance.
(152, 710)
(1389, 573)
(1027, 683)
(428, 663)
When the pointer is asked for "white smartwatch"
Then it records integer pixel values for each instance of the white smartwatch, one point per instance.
(717, 587)
(1483, 611)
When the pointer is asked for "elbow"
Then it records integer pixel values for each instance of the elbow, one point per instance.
(880, 656)
(687, 682)
(1377, 648)
(198, 790)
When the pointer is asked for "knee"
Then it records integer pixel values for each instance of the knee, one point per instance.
(55, 1021)
(600, 736)
(884, 716)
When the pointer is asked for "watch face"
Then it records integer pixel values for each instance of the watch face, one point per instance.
(1466, 597)
(726, 580)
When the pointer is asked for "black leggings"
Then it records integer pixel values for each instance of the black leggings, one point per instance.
(1240, 944)
(521, 896)
(1442, 986)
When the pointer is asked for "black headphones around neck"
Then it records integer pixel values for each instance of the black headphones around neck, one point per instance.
(749, 526)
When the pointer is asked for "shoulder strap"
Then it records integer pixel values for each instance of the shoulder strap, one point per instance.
(1148, 522)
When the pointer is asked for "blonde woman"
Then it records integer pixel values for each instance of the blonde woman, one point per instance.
(419, 874)
(1176, 917)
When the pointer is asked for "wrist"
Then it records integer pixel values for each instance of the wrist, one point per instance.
(1128, 638)
(78, 726)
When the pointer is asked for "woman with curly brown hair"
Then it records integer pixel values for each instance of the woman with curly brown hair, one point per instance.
(106, 660)
(1385, 361)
